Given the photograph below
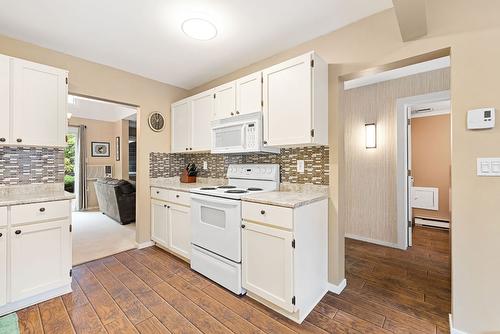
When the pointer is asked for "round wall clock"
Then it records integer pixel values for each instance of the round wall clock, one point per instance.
(156, 121)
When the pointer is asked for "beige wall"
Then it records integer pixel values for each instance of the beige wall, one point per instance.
(472, 30)
(371, 211)
(91, 79)
(431, 160)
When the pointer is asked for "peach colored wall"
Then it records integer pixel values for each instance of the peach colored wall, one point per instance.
(431, 160)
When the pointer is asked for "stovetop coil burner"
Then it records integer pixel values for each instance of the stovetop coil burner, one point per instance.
(254, 189)
(236, 191)
(207, 188)
(226, 187)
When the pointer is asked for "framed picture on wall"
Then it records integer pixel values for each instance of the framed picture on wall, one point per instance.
(100, 149)
(117, 148)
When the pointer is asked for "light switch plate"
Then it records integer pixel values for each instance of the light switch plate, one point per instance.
(488, 166)
(300, 166)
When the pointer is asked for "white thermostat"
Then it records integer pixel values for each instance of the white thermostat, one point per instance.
(483, 118)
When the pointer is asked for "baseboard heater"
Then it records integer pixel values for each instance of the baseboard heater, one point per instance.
(432, 222)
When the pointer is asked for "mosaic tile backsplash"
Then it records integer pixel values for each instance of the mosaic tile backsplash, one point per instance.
(316, 163)
(27, 165)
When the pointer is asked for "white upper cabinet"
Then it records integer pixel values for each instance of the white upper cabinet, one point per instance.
(295, 93)
(39, 104)
(249, 94)
(225, 100)
(202, 110)
(181, 126)
(4, 99)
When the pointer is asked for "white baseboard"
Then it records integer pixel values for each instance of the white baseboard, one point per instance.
(337, 288)
(373, 241)
(11, 307)
(144, 244)
(452, 329)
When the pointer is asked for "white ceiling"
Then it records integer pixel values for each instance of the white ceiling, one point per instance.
(99, 110)
(145, 37)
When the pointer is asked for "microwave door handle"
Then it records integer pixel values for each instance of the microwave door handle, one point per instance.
(244, 136)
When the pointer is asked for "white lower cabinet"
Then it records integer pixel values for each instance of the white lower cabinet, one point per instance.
(171, 222)
(179, 233)
(284, 256)
(43, 246)
(35, 254)
(3, 266)
(267, 257)
(159, 222)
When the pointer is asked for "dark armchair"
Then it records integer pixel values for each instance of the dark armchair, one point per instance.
(116, 199)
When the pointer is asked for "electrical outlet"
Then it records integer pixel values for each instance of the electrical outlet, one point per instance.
(205, 165)
(300, 166)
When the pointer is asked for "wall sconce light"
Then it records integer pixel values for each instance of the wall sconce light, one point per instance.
(370, 135)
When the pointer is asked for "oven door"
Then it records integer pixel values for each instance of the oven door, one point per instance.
(216, 225)
(229, 138)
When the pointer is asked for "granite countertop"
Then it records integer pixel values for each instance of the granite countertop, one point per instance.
(174, 183)
(16, 195)
(286, 198)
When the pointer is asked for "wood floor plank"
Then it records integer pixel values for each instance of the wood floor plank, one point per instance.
(128, 302)
(360, 312)
(329, 325)
(359, 324)
(223, 314)
(165, 313)
(30, 321)
(152, 326)
(144, 273)
(54, 317)
(104, 305)
(75, 299)
(401, 328)
(85, 320)
(195, 314)
(121, 326)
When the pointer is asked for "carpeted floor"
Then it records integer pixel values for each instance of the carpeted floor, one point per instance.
(96, 236)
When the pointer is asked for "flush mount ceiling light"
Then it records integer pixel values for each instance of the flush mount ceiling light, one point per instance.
(199, 29)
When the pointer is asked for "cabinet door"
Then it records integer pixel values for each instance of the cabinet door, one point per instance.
(179, 232)
(267, 264)
(39, 104)
(181, 126)
(287, 92)
(4, 99)
(3, 266)
(38, 258)
(249, 93)
(159, 222)
(225, 100)
(202, 106)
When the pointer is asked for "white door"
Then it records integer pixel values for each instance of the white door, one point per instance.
(181, 126)
(3, 266)
(225, 100)
(267, 264)
(179, 231)
(409, 181)
(287, 92)
(249, 94)
(202, 106)
(4, 99)
(216, 225)
(39, 104)
(38, 258)
(159, 222)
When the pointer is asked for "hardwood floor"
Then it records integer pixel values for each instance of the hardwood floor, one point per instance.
(151, 291)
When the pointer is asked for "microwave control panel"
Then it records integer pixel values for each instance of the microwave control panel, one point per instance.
(251, 136)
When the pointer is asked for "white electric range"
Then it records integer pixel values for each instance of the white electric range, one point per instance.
(216, 222)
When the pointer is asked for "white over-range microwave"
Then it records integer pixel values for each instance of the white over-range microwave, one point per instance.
(239, 134)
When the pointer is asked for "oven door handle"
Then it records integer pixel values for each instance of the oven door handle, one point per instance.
(214, 200)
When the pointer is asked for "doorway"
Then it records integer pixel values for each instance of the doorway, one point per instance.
(424, 163)
(97, 171)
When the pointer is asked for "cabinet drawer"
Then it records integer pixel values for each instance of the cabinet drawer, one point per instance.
(3, 216)
(159, 193)
(29, 213)
(179, 197)
(268, 214)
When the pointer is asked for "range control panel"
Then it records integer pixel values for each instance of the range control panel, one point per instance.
(269, 172)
